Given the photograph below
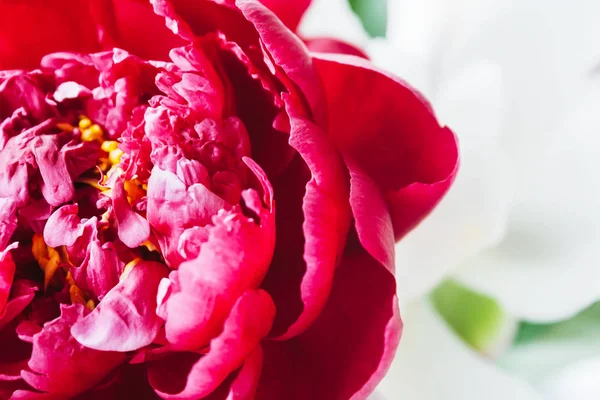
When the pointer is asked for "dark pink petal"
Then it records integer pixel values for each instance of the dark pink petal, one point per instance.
(289, 11)
(42, 28)
(132, 25)
(234, 258)
(64, 227)
(173, 208)
(133, 229)
(249, 321)
(7, 274)
(348, 349)
(60, 365)
(246, 382)
(289, 54)
(327, 45)
(8, 220)
(57, 186)
(125, 320)
(394, 138)
(23, 292)
(100, 270)
(313, 220)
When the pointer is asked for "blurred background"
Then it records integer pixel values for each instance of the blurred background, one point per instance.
(499, 287)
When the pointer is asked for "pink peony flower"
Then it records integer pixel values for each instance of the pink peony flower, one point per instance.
(193, 205)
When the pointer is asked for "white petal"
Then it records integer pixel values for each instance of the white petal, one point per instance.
(433, 364)
(578, 381)
(472, 216)
(546, 268)
(334, 19)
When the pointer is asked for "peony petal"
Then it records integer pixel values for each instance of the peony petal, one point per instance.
(125, 320)
(8, 221)
(133, 26)
(326, 45)
(43, 28)
(7, 274)
(249, 321)
(416, 159)
(173, 208)
(22, 293)
(64, 227)
(313, 221)
(57, 186)
(289, 11)
(288, 53)
(246, 382)
(348, 348)
(201, 292)
(62, 366)
(133, 229)
(429, 352)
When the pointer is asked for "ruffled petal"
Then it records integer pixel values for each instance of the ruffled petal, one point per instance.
(406, 154)
(313, 221)
(249, 321)
(125, 320)
(326, 45)
(289, 11)
(198, 296)
(133, 229)
(349, 348)
(7, 274)
(62, 366)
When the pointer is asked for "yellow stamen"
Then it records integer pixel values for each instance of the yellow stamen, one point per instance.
(90, 305)
(110, 145)
(134, 190)
(150, 246)
(65, 127)
(69, 279)
(115, 156)
(47, 257)
(84, 123)
(93, 182)
(93, 133)
(77, 295)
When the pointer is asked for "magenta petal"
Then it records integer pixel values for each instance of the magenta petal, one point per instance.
(64, 227)
(7, 274)
(234, 258)
(23, 292)
(125, 320)
(57, 186)
(8, 220)
(246, 382)
(289, 11)
(313, 221)
(249, 321)
(61, 365)
(394, 140)
(349, 348)
(327, 45)
(133, 229)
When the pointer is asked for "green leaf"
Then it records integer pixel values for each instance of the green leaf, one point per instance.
(476, 318)
(586, 321)
(373, 15)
